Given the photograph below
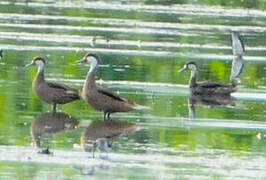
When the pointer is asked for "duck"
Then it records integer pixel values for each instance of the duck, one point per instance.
(102, 99)
(49, 91)
(238, 50)
(206, 87)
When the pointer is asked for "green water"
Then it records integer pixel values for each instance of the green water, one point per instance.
(143, 44)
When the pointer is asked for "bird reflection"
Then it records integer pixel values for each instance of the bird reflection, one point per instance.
(101, 134)
(49, 124)
(210, 101)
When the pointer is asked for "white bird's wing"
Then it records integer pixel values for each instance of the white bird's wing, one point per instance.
(237, 45)
(237, 67)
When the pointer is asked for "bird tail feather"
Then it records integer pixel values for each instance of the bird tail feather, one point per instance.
(141, 107)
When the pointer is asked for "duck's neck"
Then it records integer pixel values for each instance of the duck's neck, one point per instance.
(193, 78)
(90, 79)
(234, 36)
(40, 74)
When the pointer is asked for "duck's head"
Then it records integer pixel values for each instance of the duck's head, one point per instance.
(38, 61)
(90, 58)
(192, 66)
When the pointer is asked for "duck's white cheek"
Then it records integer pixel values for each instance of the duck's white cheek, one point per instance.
(91, 59)
(40, 64)
(192, 67)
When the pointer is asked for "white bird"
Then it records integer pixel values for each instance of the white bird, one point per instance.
(237, 67)
(238, 51)
(237, 45)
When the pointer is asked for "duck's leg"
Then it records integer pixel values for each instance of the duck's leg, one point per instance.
(54, 107)
(108, 116)
(45, 151)
(104, 116)
(93, 150)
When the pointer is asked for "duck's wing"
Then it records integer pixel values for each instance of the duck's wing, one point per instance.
(57, 85)
(61, 86)
(111, 94)
(215, 88)
(211, 84)
(238, 46)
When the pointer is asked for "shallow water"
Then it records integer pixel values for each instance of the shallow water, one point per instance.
(143, 44)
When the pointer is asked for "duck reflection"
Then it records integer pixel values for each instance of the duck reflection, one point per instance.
(101, 134)
(210, 101)
(51, 123)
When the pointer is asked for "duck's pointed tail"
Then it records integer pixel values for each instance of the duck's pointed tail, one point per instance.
(141, 107)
